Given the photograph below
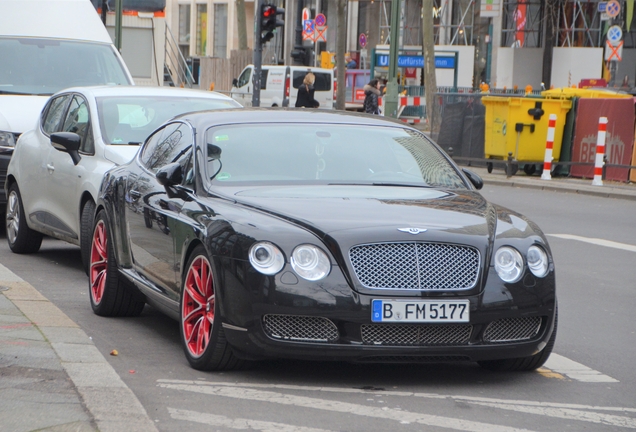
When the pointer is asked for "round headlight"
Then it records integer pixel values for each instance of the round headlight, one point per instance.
(266, 258)
(310, 262)
(509, 264)
(537, 261)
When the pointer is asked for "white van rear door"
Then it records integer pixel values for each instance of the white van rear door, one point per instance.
(242, 90)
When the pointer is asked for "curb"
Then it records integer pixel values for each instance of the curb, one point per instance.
(110, 403)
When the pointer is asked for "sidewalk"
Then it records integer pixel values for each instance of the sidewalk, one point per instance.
(52, 376)
(54, 379)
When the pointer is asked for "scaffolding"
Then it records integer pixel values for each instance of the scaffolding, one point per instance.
(522, 24)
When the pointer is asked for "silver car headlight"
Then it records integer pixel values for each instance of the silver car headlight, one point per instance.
(310, 263)
(7, 139)
(266, 258)
(537, 261)
(508, 264)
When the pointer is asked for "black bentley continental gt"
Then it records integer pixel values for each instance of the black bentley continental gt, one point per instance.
(319, 235)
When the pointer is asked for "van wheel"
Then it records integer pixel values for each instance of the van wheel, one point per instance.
(274, 105)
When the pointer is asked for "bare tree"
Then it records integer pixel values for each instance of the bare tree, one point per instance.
(242, 24)
(428, 51)
(341, 46)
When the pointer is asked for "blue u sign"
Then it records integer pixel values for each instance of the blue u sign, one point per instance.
(411, 61)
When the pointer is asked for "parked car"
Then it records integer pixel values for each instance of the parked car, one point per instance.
(319, 235)
(56, 169)
(47, 46)
(280, 83)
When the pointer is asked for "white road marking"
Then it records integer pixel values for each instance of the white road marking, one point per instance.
(240, 392)
(597, 241)
(575, 370)
(567, 411)
(240, 424)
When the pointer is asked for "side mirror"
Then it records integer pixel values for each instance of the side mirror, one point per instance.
(214, 152)
(170, 175)
(235, 82)
(68, 142)
(474, 178)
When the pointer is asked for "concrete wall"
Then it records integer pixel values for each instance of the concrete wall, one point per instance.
(571, 65)
(627, 66)
(520, 67)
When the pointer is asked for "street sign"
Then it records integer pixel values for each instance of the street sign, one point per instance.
(602, 6)
(321, 33)
(613, 8)
(614, 35)
(613, 53)
(308, 30)
(411, 61)
(362, 40)
(321, 20)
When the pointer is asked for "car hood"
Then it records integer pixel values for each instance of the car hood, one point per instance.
(20, 113)
(378, 213)
(120, 154)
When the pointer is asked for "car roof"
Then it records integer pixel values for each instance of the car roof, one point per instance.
(116, 90)
(204, 119)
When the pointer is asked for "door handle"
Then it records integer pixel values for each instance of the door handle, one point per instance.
(50, 167)
(134, 194)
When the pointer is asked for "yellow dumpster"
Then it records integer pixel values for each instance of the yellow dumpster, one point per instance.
(571, 92)
(519, 125)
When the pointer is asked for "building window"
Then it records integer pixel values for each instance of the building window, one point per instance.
(202, 29)
(220, 30)
(184, 29)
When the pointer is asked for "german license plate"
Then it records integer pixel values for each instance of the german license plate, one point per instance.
(428, 311)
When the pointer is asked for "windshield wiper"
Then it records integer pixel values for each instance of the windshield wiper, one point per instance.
(380, 184)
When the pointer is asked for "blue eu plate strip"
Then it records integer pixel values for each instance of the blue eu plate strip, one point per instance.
(376, 310)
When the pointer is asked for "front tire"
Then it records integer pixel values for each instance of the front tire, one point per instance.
(529, 363)
(21, 238)
(108, 292)
(202, 335)
(86, 229)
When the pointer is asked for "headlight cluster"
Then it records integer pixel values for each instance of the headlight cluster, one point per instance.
(509, 263)
(308, 261)
(7, 139)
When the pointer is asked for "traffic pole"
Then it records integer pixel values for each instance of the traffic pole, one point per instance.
(600, 152)
(549, 143)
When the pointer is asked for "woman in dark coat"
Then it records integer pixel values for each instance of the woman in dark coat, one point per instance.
(372, 92)
(305, 96)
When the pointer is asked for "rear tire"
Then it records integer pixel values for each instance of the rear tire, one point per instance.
(86, 231)
(529, 363)
(202, 335)
(21, 238)
(108, 292)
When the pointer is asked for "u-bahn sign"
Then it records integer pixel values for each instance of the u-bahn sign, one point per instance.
(411, 61)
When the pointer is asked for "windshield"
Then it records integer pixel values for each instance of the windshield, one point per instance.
(44, 66)
(324, 153)
(131, 119)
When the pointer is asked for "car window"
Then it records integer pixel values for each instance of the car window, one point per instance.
(77, 119)
(172, 144)
(54, 114)
(307, 153)
(244, 79)
(264, 73)
(322, 83)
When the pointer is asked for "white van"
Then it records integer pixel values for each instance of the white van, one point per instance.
(47, 46)
(279, 85)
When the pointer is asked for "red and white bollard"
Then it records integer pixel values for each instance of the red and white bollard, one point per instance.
(600, 152)
(549, 143)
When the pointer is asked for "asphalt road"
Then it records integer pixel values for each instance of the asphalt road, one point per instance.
(588, 384)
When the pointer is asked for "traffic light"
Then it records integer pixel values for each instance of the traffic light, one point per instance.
(270, 21)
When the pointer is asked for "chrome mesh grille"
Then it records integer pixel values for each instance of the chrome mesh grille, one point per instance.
(403, 334)
(512, 329)
(300, 328)
(415, 266)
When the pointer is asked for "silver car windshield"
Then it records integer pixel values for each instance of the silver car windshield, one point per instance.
(131, 119)
(37, 66)
(325, 153)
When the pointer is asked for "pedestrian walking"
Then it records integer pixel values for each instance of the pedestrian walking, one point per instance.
(372, 92)
(305, 96)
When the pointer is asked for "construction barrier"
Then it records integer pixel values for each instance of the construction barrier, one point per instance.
(549, 144)
(619, 141)
(600, 152)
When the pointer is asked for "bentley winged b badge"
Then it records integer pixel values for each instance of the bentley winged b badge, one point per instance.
(413, 231)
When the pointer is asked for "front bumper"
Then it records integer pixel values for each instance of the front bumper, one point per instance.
(522, 315)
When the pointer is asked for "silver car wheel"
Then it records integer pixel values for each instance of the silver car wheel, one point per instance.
(13, 217)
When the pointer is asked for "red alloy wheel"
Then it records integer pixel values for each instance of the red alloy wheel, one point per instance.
(197, 310)
(98, 262)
